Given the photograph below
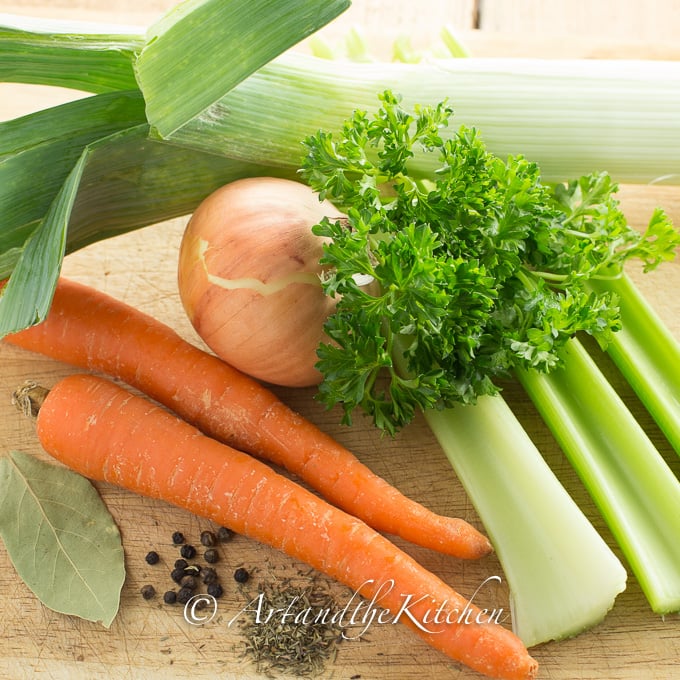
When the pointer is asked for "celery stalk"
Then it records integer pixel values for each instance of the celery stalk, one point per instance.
(633, 487)
(647, 354)
(562, 576)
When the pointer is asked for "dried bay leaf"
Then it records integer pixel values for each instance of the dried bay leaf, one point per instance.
(61, 538)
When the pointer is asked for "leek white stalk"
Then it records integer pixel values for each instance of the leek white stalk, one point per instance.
(572, 117)
(563, 578)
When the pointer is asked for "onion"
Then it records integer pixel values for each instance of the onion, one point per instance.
(249, 278)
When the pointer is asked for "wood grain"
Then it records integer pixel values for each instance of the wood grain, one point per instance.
(151, 640)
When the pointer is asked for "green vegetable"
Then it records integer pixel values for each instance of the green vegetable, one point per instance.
(92, 148)
(87, 56)
(571, 117)
(96, 199)
(483, 272)
(647, 354)
(61, 538)
(482, 267)
(632, 485)
(562, 576)
(185, 43)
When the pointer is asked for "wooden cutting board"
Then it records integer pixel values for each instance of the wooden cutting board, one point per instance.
(151, 640)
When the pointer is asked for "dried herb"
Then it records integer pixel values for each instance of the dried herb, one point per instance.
(61, 538)
(302, 641)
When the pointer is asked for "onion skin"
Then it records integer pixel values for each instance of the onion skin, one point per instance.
(249, 278)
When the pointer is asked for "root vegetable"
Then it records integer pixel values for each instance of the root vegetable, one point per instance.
(89, 329)
(104, 432)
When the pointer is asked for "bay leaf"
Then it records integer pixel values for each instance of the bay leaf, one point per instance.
(61, 538)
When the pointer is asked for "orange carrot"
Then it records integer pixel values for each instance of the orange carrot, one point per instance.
(107, 434)
(91, 330)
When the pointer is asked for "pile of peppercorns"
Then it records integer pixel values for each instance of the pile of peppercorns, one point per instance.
(188, 574)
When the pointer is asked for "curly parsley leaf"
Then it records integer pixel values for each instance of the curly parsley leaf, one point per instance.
(477, 268)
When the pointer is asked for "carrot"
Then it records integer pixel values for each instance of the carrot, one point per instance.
(106, 433)
(91, 330)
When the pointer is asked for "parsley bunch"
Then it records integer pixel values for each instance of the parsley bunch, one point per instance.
(477, 267)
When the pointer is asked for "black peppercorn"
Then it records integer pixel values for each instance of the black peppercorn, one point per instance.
(177, 575)
(208, 538)
(181, 564)
(148, 592)
(241, 575)
(225, 534)
(211, 556)
(192, 570)
(215, 590)
(208, 575)
(184, 595)
(170, 597)
(152, 557)
(178, 538)
(189, 582)
(188, 551)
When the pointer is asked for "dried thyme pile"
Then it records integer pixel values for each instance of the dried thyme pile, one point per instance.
(289, 628)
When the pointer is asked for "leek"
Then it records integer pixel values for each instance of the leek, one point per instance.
(106, 193)
(85, 56)
(562, 576)
(569, 116)
(33, 249)
(185, 42)
(633, 487)
(41, 149)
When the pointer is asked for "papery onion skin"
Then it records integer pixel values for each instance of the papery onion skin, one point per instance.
(249, 278)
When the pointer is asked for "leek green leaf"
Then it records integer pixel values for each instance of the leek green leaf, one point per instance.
(28, 294)
(61, 538)
(37, 153)
(109, 192)
(92, 57)
(181, 48)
